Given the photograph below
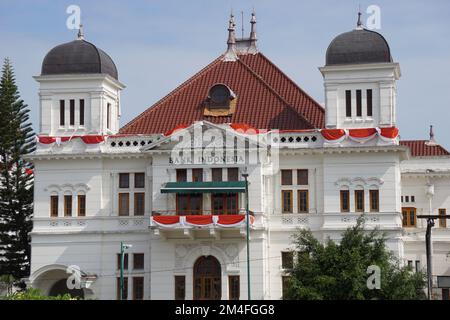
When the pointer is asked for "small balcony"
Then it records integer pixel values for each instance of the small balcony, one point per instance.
(202, 224)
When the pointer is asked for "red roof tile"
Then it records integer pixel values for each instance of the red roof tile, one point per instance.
(266, 99)
(419, 148)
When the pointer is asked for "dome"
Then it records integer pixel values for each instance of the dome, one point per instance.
(78, 56)
(358, 46)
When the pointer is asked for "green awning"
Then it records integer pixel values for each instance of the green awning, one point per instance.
(204, 187)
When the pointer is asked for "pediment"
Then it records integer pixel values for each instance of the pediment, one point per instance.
(204, 135)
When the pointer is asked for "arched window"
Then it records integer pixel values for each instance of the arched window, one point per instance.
(359, 198)
(345, 199)
(54, 199)
(207, 279)
(374, 198)
(81, 204)
(67, 204)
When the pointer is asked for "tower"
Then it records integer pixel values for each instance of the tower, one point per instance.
(79, 91)
(360, 81)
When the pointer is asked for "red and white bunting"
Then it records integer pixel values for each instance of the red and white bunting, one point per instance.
(176, 129)
(387, 134)
(224, 221)
(166, 221)
(336, 136)
(88, 139)
(362, 135)
(243, 128)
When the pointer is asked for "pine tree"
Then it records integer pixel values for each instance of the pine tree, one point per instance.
(16, 178)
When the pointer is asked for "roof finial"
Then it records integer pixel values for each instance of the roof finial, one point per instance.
(231, 29)
(253, 26)
(359, 24)
(231, 55)
(80, 32)
(242, 24)
(432, 141)
(252, 48)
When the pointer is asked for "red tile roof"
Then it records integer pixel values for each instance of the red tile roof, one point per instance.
(266, 99)
(419, 148)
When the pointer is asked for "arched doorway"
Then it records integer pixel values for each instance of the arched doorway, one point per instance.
(60, 288)
(207, 279)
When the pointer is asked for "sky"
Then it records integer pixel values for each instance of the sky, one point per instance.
(158, 44)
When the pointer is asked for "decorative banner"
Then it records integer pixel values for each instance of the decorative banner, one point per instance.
(46, 140)
(86, 139)
(333, 135)
(199, 220)
(178, 127)
(166, 221)
(362, 135)
(244, 128)
(336, 136)
(389, 133)
(224, 221)
(228, 221)
(92, 139)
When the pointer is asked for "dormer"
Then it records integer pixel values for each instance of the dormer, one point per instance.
(221, 101)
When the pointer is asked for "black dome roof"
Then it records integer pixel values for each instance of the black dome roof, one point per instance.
(78, 56)
(358, 46)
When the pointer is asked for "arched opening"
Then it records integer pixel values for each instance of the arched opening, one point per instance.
(207, 279)
(60, 288)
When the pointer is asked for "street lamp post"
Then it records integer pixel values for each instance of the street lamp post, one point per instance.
(430, 225)
(245, 175)
(123, 247)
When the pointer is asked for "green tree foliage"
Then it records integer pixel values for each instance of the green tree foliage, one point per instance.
(16, 178)
(338, 271)
(35, 294)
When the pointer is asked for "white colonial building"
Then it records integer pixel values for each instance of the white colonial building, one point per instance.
(170, 183)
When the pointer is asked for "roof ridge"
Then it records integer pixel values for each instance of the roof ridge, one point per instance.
(292, 81)
(260, 78)
(158, 103)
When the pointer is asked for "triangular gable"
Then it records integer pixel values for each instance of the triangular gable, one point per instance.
(169, 141)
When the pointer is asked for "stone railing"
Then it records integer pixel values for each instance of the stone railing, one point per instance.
(90, 224)
(118, 144)
(296, 139)
(293, 221)
(334, 221)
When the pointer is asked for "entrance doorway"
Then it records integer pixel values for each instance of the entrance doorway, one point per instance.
(60, 288)
(207, 279)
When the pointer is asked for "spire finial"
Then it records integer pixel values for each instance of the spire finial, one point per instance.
(80, 32)
(231, 54)
(253, 26)
(432, 141)
(242, 24)
(359, 24)
(231, 29)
